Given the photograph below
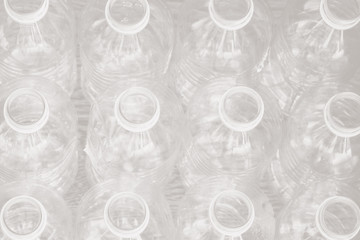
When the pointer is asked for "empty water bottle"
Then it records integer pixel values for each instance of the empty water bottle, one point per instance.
(32, 211)
(225, 208)
(37, 37)
(122, 39)
(235, 129)
(316, 40)
(124, 209)
(323, 211)
(219, 37)
(38, 133)
(323, 135)
(135, 127)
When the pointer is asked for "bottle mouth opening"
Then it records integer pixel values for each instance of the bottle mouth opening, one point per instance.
(26, 110)
(127, 16)
(342, 114)
(338, 218)
(231, 15)
(231, 213)
(127, 215)
(23, 217)
(26, 12)
(137, 109)
(241, 108)
(340, 15)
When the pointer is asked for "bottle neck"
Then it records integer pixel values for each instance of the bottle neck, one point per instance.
(26, 110)
(232, 16)
(127, 215)
(26, 12)
(349, 17)
(137, 109)
(231, 213)
(127, 17)
(241, 109)
(23, 218)
(338, 218)
(342, 114)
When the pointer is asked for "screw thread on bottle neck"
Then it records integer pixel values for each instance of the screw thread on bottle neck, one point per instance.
(326, 216)
(231, 24)
(127, 18)
(236, 96)
(26, 110)
(29, 17)
(127, 215)
(137, 109)
(242, 213)
(334, 21)
(23, 211)
(346, 112)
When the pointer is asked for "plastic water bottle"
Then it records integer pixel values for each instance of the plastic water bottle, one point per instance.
(37, 37)
(38, 133)
(225, 208)
(311, 151)
(322, 211)
(32, 211)
(122, 39)
(135, 127)
(235, 127)
(323, 135)
(218, 37)
(124, 209)
(316, 40)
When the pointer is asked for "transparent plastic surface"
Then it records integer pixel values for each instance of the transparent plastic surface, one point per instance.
(218, 37)
(235, 129)
(79, 5)
(323, 211)
(32, 211)
(135, 127)
(38, 133)
(124, 209)
(122, 39)
(278, 186)
(37, 37)
(316, 40)
(225, 208)
(323, 135)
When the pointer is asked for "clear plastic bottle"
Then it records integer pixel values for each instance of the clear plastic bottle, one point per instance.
(218, 37)
(236, 128)
(225, 208)
(32, 211)
(316, 40)
(322, 211)
(37, 37)
(38, 133)
(122, 39)
(135, 127)
(124, 209)
(323, 135)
